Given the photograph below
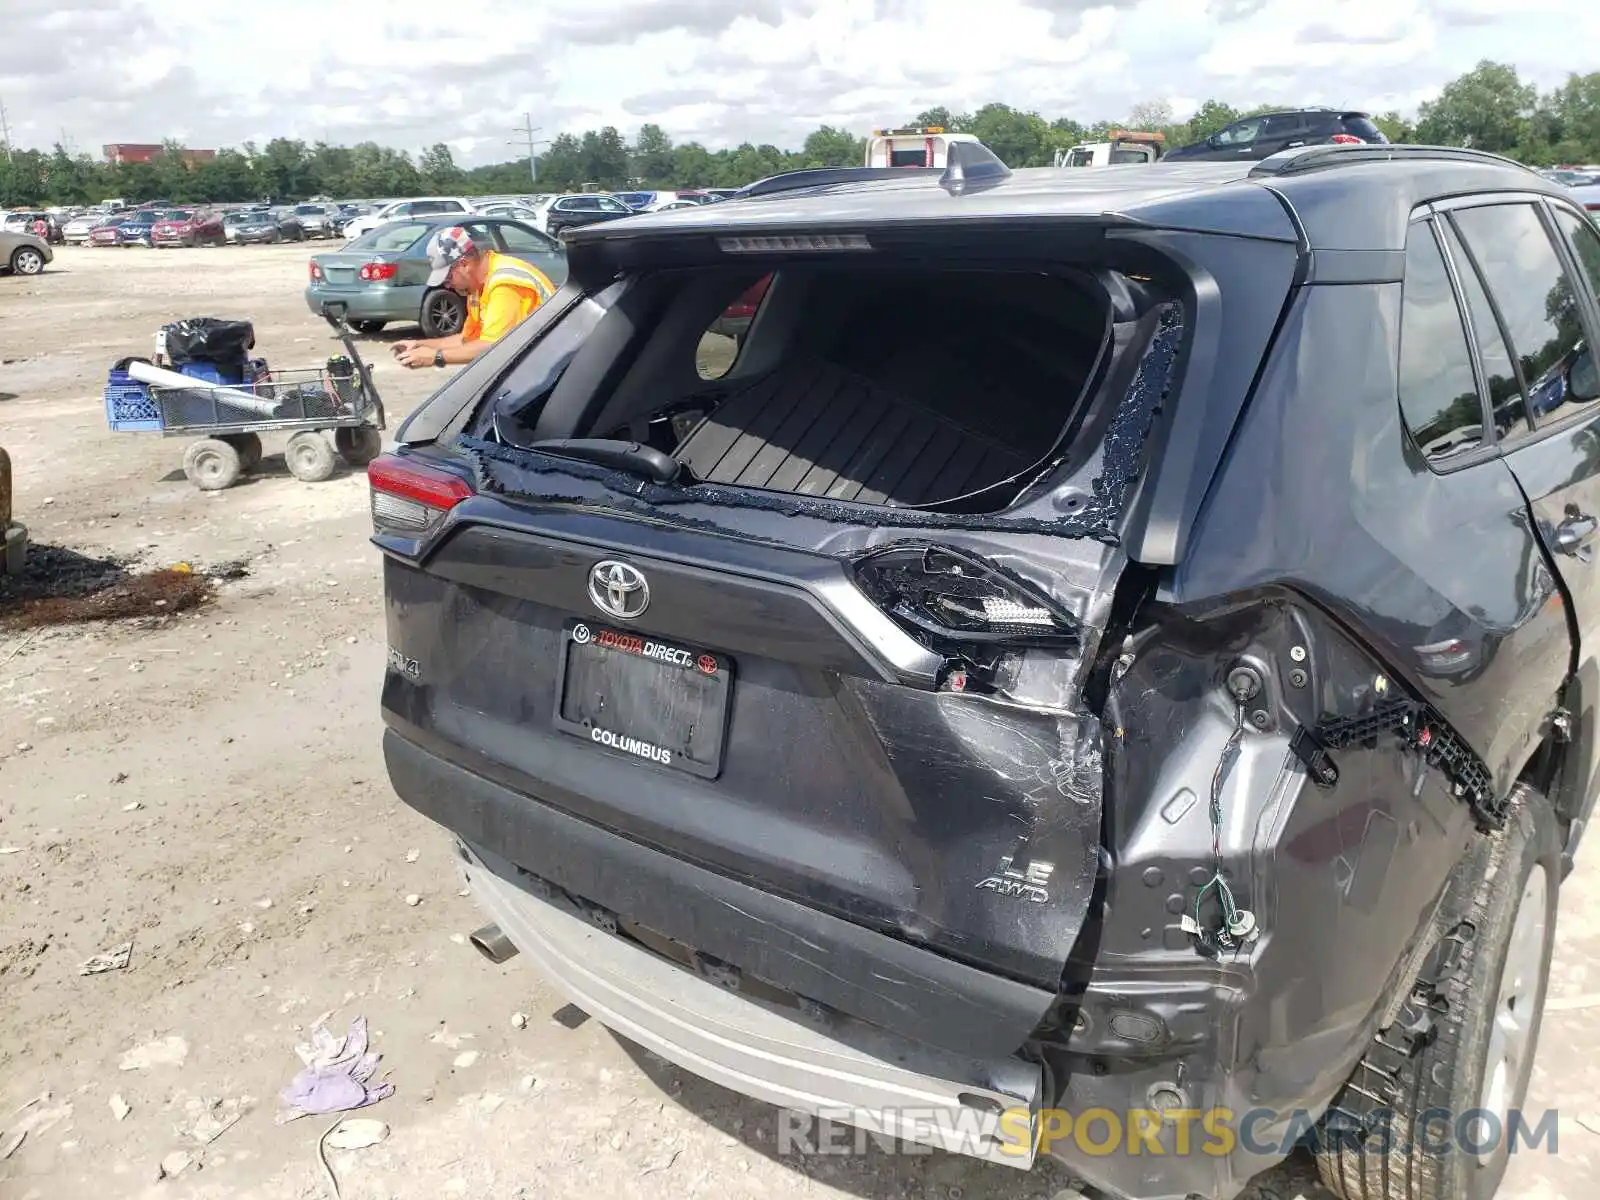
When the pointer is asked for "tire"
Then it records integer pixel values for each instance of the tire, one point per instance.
(1486, 975)
(368, 326)
(442, 314)
(25, 260)
(249, 447)
(211, 464)
(358, 444)
(310, 458)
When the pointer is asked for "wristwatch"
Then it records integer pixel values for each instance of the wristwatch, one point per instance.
(438, 358)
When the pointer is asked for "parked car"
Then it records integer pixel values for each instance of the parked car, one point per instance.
(648, 201)
(13, 533)
(348, 213)
(316, 219)
(517, 212)
(735, 319)
(137, 228)
(422, 206)
(256, 228)
(23, 253)
(580, 209)
(77, 230)
(382, 276)
(188, 227)
(1014, 689)
(1586, 194)
(108, 233)
(1257, 137)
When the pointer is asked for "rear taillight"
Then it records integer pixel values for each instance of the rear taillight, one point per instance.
(940, 595)
(409, 498)
(375, 272)
(1346, 139)
(316, 271)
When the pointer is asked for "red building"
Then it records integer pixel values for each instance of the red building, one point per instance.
(139, 152)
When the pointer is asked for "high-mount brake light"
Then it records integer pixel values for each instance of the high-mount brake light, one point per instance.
(409, 498)
(946, 596)
(823, 242)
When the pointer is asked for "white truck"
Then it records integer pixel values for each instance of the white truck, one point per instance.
(1124, 147)
(922, 146)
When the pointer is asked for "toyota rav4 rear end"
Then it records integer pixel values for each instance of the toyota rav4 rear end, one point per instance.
(804, 716)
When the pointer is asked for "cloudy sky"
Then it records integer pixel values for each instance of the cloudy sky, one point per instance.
(217, 74)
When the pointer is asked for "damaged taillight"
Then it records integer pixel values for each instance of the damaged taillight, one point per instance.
(947, 596)
(409, 498)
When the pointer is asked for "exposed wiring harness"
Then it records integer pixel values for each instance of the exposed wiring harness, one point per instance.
(1236, 925)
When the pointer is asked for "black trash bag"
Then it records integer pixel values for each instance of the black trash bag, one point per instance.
(210, 340)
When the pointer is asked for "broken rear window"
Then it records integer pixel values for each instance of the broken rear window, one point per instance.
(904, 386)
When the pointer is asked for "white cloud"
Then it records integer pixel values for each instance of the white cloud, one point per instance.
(720, 72)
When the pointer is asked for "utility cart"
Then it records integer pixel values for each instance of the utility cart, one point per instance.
(214, 392)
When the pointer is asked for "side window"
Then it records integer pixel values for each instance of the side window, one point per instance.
(1240, 133)
(1506, 402)
(1580, 231)
(519, 239)
(404, 210)
(1536, 298)
(480, 234)
(1288, 125)
(1438, 390)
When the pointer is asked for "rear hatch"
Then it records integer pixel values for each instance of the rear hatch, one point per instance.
(822, 613)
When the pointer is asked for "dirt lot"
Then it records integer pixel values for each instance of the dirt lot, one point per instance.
(209, 787)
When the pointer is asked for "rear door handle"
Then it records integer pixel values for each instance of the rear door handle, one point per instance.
(1573, 534)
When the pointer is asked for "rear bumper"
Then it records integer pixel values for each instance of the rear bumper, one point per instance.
(887, 1084)
(891, 984)
(381, 303)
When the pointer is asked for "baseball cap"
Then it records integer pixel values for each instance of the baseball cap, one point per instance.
(445, 249)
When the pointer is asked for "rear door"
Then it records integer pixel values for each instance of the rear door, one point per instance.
(1540, 286)
(1281, 131)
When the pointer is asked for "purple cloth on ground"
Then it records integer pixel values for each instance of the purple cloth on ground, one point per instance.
(341, 1084)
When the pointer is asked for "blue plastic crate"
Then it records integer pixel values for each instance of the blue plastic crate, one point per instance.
(129, 406)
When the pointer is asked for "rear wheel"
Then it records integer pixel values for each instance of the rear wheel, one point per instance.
(310, 458)
(211, 464)
(443, 313)
(358, 444)
(249, 447)
(1428, 1113)
(27, 261)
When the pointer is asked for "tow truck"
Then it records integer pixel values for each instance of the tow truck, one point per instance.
(916, 146)
(1125, 146)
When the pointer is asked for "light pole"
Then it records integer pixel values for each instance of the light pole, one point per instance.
(527, 131)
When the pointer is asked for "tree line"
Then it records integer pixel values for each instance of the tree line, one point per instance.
(1488, 108)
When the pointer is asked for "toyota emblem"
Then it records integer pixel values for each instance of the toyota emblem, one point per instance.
(618, 590)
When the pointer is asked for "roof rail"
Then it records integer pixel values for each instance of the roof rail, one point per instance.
(1319, 158)
(821, 176)
(968, 165)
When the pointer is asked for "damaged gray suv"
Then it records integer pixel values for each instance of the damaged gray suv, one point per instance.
(1109, 657)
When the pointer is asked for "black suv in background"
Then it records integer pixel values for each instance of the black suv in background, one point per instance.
(1111, 642)
(1266, 134)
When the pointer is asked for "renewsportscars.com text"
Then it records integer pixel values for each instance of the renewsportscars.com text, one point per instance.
(1216, 1132)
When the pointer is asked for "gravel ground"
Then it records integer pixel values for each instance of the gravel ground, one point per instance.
(208, 785)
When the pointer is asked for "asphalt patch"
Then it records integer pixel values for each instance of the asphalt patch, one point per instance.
(58, 586)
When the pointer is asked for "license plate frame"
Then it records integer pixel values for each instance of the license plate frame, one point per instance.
(661, 654)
